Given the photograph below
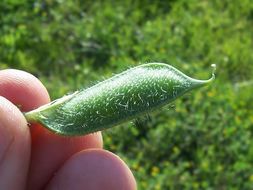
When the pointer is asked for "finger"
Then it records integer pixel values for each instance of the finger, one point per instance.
(94, 169)
(14, 147)
(22, 89)
(49, 151)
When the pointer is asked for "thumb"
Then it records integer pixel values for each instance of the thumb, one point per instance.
(14, 147)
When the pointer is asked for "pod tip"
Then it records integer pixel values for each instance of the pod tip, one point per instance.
(214, 69)
(208, 81)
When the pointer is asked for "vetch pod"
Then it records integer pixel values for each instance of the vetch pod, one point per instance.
(118, 99)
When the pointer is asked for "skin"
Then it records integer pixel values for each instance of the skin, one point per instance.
(32, 158)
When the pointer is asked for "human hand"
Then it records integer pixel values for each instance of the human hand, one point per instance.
(32, 158)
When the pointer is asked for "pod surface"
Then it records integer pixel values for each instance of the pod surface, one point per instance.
(120, 98)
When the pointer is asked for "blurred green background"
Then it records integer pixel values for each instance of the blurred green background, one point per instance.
(204, 140)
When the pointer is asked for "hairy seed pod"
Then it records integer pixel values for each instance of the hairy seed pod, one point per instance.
(123, 97)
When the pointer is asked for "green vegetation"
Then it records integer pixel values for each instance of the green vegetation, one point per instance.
(202, 141)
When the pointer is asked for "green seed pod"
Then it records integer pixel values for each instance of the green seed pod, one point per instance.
(121, 98)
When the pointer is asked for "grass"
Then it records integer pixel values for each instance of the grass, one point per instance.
(202, 141)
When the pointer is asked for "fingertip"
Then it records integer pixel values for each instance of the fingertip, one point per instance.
(22, 88)
(14, 146)
(12, 120)
(94, 169)
(59, 148)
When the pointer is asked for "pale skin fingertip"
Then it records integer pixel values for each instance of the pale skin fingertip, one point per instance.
(14, 147)
(10, 114)
(20, 86)
(94, 169)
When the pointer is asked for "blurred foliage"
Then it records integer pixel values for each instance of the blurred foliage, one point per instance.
(202, 141)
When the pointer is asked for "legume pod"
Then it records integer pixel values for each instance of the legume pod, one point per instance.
(118, 99)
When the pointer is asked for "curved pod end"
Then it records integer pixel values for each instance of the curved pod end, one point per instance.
(199, 83)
